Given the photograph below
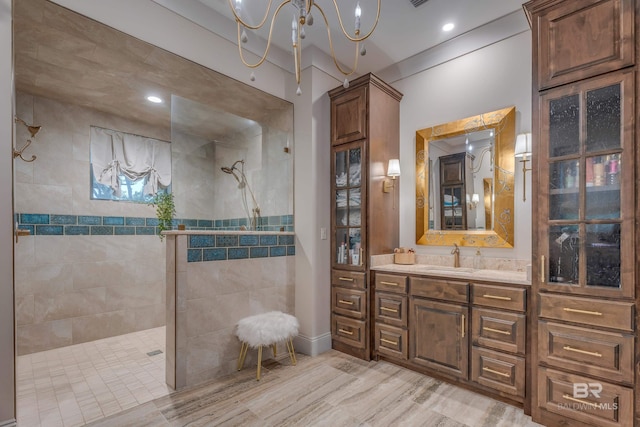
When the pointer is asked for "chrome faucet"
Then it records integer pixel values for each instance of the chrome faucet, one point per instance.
(456, 255)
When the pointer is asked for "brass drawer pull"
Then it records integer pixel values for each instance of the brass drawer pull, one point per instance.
(463, 325)
(577, 350)
(498, 331)
(584, 402)
(574, 310)
(496, 297)
(389, 283)
(346, 279)
(344, 331)
(389, 341)
(502, 374)
(392, 310)
(345, 302)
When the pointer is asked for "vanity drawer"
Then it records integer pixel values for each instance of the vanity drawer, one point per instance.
(448, 290)
(391, 309)
(349, 279)
(592, 352)
(391, 341)
(391, 283)
(613, 407)
(349, 331)
(499, 371)
(349, 302)
(594, 312)
(499, 330)
(499, 297)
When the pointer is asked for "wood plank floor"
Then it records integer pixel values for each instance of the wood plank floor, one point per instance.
(332, 389)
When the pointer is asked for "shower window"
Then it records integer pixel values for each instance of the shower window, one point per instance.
(128, 167)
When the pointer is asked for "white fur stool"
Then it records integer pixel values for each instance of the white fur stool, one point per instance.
(266, 329)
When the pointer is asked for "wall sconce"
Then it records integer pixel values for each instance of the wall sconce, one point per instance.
(393, 171)
(523, 151)
(475, 199)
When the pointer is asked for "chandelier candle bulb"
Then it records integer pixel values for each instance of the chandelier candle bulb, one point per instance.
(294, 31)
(302, 17)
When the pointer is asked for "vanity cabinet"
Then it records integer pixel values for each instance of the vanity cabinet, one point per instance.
(465, 332)
(584, 326)
(365, 131)
(498, 336)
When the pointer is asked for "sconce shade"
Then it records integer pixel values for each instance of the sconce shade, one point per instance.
(475, 198)
(393, 169)
(523, 145)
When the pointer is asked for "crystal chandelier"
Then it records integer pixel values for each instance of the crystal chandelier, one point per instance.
(302, 17)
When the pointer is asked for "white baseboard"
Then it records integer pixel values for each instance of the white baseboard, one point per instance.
(313, 346)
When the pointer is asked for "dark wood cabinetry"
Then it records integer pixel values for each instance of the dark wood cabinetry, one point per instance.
(584, 326)
(439, 337)
(365, 130)
(454, 176)
(465, 332)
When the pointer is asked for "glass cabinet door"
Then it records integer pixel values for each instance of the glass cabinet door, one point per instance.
(348, 191)
(586, 245)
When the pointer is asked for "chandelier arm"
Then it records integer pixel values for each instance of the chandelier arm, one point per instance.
(333, 54)
(266, 51)
(355, 39)
(264, 18)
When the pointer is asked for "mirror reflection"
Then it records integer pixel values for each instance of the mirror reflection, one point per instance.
(460, 194)
(465, 181)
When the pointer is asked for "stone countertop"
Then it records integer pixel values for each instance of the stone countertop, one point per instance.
(498, 276)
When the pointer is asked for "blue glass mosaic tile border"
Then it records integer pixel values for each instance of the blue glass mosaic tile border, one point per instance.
(208, 247)
(85, 225)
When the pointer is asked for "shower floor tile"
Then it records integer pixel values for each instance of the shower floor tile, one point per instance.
(72, 386)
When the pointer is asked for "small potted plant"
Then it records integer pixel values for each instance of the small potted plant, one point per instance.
(165, 210)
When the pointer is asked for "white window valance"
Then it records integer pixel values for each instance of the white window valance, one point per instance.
(115, 153)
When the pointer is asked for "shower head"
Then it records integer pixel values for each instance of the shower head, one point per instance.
(227, 170)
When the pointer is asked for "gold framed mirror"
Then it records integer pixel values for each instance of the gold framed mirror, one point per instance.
(497, 224)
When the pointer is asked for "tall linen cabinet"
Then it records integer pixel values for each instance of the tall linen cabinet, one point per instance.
(365, 133)
(585, 167)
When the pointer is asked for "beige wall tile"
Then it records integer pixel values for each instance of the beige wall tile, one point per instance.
(43, 336)
(48, 280)
(124, 295)
(97, 326)
(69, 305)
(24, 310)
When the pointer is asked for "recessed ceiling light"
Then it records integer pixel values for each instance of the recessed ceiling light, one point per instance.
(154, 99)
(448, 27)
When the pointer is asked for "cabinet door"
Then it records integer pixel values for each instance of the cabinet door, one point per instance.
(586, 188)
(348, 204)
(349, 116)
(583, 38)
(439, 337)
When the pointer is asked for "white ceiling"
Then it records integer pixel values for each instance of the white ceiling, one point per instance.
(403, 30)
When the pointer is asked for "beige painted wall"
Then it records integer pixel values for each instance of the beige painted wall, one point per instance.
(7, 344)
(494, 77)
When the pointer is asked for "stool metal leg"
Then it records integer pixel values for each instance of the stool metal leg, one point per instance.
(259, 362)
(243, 355)
(274, 351)
(292, 352)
